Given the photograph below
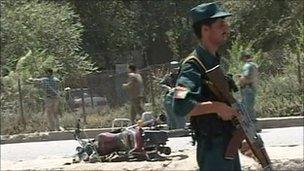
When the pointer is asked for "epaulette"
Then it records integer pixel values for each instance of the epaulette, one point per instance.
(192, 57)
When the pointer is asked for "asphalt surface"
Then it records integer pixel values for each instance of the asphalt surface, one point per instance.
(275, 137)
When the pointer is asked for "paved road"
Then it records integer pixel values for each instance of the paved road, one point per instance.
(277, 137)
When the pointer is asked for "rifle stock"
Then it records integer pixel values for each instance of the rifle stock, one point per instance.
(248, 130)
(234, 144)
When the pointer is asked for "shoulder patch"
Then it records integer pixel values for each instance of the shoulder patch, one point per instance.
(196, 59)
(180, 92)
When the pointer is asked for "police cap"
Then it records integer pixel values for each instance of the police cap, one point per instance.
(207, 11)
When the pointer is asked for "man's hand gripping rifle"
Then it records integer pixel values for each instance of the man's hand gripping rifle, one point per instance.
(245, 127)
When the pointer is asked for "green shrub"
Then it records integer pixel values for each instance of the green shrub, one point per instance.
(42, 26)
(279, 89)
(279, 96)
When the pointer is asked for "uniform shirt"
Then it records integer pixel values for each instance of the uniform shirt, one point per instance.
(190, 89)
(50, 86)
(250, 71)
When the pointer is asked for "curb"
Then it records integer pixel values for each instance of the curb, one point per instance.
(263, 123)
(280, 122)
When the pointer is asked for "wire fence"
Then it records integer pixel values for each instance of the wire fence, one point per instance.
(85, 95)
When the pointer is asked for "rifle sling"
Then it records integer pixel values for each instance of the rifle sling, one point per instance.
(203, 69)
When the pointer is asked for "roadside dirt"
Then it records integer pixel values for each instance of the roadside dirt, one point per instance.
(283, 158)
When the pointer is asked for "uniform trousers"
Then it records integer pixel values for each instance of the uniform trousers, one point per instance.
(210, 154)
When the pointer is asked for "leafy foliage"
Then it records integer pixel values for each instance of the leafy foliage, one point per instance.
(279, 93)
(268, 29)
(237, 47)
(36, 35)
(299, 53)
(42, 26)
(276, 96)
(161, 30)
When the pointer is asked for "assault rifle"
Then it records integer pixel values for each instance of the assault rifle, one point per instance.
(245, 128)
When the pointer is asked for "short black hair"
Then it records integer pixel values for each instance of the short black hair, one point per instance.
(132, 67)
(198, 26)
(49, 71)
(246, 57)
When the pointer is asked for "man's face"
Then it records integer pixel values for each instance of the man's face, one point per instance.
(218, 32)
(175, 70)
(47, 73)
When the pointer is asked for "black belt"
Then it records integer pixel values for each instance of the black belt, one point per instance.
(211, 125)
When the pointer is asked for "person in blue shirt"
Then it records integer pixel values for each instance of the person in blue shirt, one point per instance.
(50, 86)
(248, 83)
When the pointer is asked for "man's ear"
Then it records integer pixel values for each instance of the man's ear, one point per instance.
(204, 29)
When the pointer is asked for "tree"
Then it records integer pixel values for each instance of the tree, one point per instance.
(299, 53)
(109, 30)
(42, 26)
(36, 35)
(268, 24)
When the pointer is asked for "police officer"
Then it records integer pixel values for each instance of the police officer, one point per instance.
(169, 81)
(248, 83)
(193, 96)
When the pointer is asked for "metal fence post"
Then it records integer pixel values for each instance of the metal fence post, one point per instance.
(83, 106)
(91, 96)
(152, 90)
(21, 104)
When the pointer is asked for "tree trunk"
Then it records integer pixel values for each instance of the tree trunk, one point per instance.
(300, 71)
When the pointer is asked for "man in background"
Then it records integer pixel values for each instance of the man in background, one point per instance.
(169, 81)
(50, 86)
(248, 83)
(135, 89)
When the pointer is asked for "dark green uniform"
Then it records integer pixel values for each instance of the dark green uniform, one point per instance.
(212, 133)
